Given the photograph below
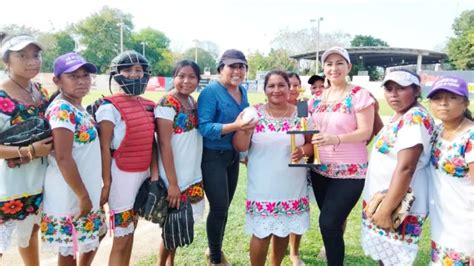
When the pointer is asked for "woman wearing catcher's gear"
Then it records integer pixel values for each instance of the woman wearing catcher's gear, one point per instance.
(127, 142)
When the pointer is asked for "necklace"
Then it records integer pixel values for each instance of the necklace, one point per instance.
(71, 100)
(341, 96)
(187, 103)
(325, 117)
(267, 110)
(30, 92)
(450, 135)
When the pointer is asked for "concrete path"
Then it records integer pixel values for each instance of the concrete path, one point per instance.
(147, 237)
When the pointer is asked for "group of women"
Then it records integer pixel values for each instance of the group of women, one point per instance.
(59, 185)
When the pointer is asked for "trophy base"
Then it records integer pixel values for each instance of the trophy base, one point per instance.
(302, 132)
(301, 164)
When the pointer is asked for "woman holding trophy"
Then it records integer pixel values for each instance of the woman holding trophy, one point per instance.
(277, 196)
(344, 115)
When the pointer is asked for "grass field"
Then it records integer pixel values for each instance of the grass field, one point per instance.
(236, 241)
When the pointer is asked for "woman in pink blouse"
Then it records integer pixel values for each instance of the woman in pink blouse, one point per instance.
(344, 114)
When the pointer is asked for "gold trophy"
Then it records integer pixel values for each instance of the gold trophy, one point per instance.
(302, 113)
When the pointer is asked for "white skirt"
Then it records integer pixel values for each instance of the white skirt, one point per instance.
(17, 232)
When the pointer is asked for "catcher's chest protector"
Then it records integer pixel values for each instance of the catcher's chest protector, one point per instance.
(134, 152)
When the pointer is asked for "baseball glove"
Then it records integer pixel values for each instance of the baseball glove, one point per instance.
(26, 132)
(151, 203)
(399, 214)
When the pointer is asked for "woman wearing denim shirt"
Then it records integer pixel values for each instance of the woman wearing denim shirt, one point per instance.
(220, 107)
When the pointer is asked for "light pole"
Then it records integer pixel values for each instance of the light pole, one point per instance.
(121, 35)
(317, 43)
(195, 51)
(143, 48)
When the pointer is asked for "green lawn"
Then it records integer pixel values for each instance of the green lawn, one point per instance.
(236, 242)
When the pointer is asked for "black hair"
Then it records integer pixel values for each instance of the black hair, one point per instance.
(283, 74)
(4, 37)
(468, 114)
(183, 63)
(294, 74)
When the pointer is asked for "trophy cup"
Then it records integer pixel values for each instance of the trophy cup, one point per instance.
(302, 113)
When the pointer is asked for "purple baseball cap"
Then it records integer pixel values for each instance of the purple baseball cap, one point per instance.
(71, 62)
(452, 84)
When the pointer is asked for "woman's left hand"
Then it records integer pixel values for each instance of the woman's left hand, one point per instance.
(323, 139)
(382, 219)
(14, 162)
(104, 195)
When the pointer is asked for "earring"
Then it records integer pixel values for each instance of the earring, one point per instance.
(326, 83)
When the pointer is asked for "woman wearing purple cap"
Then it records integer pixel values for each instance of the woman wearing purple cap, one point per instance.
(22, 169)
(220, 107)
(399, 162)
(72, 216)
(452, 174)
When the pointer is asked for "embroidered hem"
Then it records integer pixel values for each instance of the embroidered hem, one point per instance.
(195, 192)
(20, 208)
(71, 232)
(441, 255)
(277, 208)
(342, 170)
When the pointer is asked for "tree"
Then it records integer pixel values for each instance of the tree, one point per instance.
(461, 46)
(280, 59)
(210, 47)
(14, 29)
(276, 59)
(100, 35)
(366, 40)
(156, 50)
(205, 59)
(256, 62)
(305, 40)
(55, 44)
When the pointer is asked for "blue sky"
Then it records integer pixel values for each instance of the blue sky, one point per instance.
(252, 24)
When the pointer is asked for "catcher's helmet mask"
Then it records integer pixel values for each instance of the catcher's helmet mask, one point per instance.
(126, 60)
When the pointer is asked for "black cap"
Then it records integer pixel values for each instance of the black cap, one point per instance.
(231, 56)
(314, 78)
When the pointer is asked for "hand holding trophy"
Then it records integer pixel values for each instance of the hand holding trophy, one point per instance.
(302, 113)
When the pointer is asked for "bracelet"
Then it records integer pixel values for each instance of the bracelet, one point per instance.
(34, 151)
(19, 154)
(30, 152)
(336, 145)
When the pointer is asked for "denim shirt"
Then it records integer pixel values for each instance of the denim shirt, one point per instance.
(217, 107)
